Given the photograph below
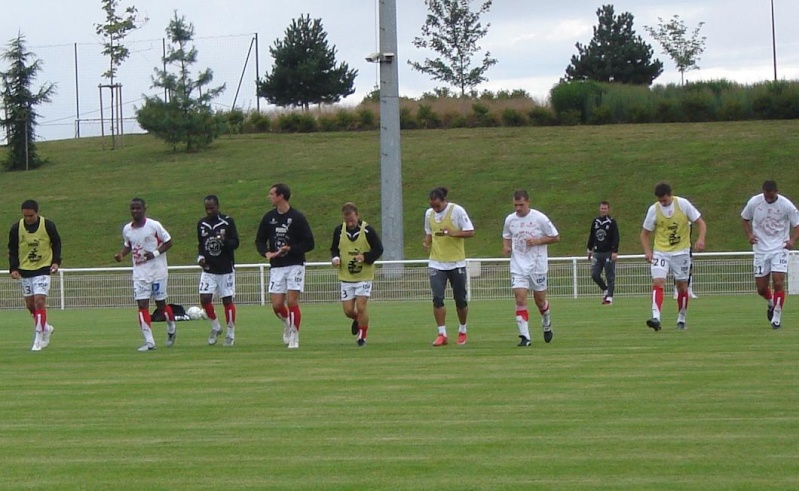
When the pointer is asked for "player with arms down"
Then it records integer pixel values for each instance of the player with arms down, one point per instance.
(284, 236)
(771, 223)
(217, 239)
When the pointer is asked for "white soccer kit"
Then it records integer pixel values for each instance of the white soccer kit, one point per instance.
(771, 224)
(526, 259)
(146, 239)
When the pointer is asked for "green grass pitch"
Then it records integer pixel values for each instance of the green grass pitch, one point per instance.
(609, 404)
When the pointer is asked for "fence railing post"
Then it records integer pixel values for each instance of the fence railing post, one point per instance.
(574, 276)
(62, 297)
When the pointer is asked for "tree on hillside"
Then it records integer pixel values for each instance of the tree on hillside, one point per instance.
(673, 38)
(305, 70)
(114, 31)
(615, 54)
(19, 102)
(452, 30)
(184, 116)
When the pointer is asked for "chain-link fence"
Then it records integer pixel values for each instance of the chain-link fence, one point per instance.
(83, 101)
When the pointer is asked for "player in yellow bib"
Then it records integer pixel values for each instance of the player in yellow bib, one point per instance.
(355, 248)
(446, 225)
(34, 253)
(669, 220)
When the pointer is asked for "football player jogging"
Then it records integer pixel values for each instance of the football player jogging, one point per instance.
(147, 242)
(771, 223)
(284, 236)
(217, 240)
(669, 220)
(446, 226)
(603, 251)
(525, 237)
(34, 253)
(359, 245)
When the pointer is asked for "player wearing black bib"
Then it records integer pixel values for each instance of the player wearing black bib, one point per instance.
(217, 240)
(284, 236)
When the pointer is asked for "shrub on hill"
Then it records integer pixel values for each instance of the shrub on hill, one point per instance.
(571, 103)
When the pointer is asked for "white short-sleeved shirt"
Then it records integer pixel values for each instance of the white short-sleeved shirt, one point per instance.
(461, 220)
(689, 209)
(526, 259)
(146, 239)
(771, 222)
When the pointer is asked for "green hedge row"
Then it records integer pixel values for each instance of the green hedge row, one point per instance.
(719, 100)
(571, 103)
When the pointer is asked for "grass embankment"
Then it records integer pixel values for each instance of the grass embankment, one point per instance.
(568, 170)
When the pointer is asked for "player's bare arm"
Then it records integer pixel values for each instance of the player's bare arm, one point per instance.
(790, 243)
(645, 234)
(119, 256)
(547, 239)
(506, 247)
(747, 224)
(162, 248)
(699, 245)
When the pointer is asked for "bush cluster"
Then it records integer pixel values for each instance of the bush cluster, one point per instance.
(570, 103)
(715, 100)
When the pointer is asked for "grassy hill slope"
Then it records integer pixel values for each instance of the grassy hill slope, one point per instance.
(567, 170)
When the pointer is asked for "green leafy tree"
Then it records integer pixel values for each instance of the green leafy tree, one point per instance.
(673, 38)
(114, 30)
(615, 54)
(305, 70)
(452, 30)
(19, 103)
(184, 116)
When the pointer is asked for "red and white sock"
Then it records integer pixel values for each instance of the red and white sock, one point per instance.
(657, 301)
(145, 322)
(230, 315)
(522, 321)
(779, 300)
(682, 301)
(295, 317)
(39, 319)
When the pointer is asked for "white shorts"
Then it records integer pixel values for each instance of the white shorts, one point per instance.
(143, 289)
(38, 285)
(350, 290)
(772, 262)
(286, 278)
(224, 285)
(533, 281)
(678, 264)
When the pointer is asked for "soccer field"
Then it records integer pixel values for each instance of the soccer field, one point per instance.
(609, 404)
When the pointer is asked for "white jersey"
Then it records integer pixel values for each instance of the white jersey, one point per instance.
(146, 239)
(771, 222)
(525, 259)
(461, 220)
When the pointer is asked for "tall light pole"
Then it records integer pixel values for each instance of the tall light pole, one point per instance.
(390, 162)
(773, 40)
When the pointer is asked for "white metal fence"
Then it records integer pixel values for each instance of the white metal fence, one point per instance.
(727, 273)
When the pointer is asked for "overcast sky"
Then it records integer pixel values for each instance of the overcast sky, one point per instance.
(532, 40)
